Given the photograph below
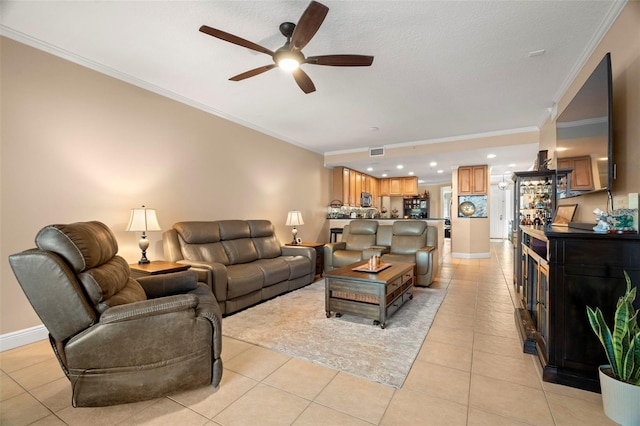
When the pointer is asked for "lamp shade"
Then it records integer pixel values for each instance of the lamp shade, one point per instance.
(294, 218)
(143, 219)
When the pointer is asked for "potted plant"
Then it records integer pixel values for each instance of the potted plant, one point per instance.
(620, 380)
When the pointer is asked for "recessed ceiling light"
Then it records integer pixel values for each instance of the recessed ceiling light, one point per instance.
(410, 173)
(384, 175)
(511, 165)
(400, 166)
(369, 169)
(420, 181)
(433, 164)
(440, 171)
(491, 156)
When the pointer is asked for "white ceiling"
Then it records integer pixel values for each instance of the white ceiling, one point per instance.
(442, 70)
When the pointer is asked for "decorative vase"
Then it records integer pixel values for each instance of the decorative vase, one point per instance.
(620, 400)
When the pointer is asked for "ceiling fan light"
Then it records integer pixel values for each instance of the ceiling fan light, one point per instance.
(288, 64)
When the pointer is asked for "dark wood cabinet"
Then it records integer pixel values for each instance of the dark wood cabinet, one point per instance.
(583, 269)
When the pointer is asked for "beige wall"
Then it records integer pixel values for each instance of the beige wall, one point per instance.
(78, 145)
(623, 41)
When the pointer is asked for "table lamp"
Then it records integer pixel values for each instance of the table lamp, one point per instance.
(294, 218)
(143, 219)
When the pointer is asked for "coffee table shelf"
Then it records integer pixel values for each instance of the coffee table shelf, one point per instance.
(369, 295)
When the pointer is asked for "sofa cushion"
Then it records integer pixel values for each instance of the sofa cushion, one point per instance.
(198, 232)
(243, 279)
(212, 252)
(344, 257)
(362, 234)
(240, 251)
(234, 229)
(274, 270)
(408, 236)
(299, 266)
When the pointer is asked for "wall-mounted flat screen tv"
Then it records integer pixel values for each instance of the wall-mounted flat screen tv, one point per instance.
(584, 133)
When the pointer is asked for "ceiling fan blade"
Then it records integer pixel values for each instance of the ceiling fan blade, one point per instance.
(303, 81)
(253, 72)
(234, 39)
(308, 25)
(341, 60)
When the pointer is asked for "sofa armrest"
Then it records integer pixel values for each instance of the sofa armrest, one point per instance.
(168, 284)
(149, 308)
(424, 259)
(329, 249)
(370, 252)
(383, 249)
(214, 274)
(308, 252)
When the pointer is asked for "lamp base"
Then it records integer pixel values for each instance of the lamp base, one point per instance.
(144, 245)
(294, 231)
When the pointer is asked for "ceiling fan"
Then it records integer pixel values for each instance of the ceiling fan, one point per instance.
(289, 56)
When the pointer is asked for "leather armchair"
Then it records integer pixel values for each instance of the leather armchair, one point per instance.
(358, 243)
(117, 339)
(414, 241)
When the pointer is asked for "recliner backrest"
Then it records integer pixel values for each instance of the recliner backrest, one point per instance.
(408, 236)
(90, 248)
(362, 234)
(74, 275)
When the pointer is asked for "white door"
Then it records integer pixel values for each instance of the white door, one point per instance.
(497, 214)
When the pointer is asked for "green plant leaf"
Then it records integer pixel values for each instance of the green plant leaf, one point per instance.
(601, 330)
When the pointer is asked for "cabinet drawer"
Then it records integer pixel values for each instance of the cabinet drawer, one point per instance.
(351, 287)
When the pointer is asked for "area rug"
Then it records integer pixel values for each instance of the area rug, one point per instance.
(296, 324)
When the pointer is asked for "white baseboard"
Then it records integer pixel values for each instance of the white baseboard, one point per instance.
(22, 337)
(471, 255)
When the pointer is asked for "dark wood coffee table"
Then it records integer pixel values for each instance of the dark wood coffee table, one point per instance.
(369, 295)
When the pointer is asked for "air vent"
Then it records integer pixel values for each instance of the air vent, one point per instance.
(376, 152)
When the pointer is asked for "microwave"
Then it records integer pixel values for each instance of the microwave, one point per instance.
(365, 199)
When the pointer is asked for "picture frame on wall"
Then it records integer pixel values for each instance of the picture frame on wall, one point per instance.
(564, 215)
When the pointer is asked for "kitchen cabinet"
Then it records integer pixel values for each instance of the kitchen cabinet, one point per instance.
(399, 186)
(348, 184)
(416, 208)
(384, 187)
(581, 177)
(395, 187)
(409, 186)
(567, 270)
(472, 180)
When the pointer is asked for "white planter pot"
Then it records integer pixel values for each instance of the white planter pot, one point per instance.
(621, 401)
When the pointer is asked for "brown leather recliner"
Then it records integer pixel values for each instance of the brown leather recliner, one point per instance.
(117, 339)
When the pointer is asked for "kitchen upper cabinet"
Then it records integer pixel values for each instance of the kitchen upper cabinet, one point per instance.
(395, 187)
(398, 187)
(581, 177)
(409, 186)
(472, 180)
(348, 184)
(384, 187)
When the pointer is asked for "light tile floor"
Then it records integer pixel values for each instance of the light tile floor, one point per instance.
(470, 371)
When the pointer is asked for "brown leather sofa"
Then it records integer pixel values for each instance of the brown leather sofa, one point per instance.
(118, 339)
(404, 241)
(241, 260)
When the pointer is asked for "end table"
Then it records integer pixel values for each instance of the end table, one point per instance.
(156, 267)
